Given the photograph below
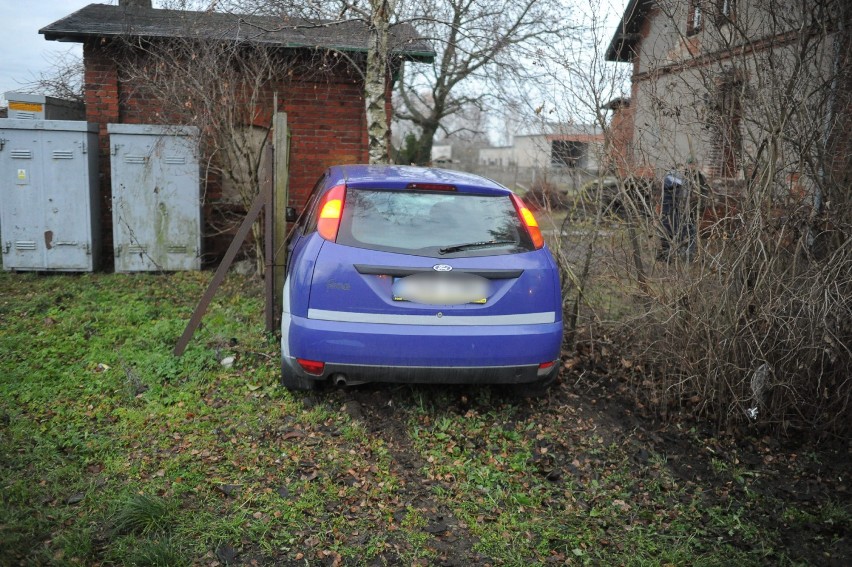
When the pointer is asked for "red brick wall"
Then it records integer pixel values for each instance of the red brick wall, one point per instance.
(619, 152)
(325, 115)
(328, 126)
(101, 97)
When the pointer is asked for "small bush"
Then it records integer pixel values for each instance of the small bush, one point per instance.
(544, 196)
(755, 327)
(143, 514)
(157, 553)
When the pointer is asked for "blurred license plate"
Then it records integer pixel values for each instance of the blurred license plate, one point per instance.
(441, 289)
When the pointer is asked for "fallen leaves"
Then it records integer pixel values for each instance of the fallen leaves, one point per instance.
(75, 498)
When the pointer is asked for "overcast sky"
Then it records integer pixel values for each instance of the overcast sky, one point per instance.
(23, 51)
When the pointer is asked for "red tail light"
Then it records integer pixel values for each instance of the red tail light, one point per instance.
(529, 221)
(545, 367)
(331, 209)
(311, 366)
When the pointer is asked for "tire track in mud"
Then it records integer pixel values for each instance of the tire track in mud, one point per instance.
(449, 537)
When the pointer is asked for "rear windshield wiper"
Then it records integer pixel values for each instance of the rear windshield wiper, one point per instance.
(471, 245)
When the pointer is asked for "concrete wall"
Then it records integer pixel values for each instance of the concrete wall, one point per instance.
(536, 151)
(496, 157)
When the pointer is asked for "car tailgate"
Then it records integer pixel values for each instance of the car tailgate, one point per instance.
(358, 285)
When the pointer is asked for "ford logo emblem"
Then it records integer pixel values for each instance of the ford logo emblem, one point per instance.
(442, 268)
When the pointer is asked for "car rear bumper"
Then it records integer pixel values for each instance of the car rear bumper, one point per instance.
(351, 374)
(373, 352)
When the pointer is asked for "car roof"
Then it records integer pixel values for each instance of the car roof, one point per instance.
(398, 177)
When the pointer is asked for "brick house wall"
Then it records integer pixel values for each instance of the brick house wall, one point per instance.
(325, 115)
(681, 78)
(619, 151)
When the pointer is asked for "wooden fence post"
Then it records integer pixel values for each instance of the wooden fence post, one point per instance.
(280, 201)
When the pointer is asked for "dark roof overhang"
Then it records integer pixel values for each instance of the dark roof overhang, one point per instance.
(617, 103)
(102, 21)
(627, 36)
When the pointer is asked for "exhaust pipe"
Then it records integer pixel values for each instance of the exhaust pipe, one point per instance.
(339, 380)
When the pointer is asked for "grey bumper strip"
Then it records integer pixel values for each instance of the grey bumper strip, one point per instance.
(434, 320)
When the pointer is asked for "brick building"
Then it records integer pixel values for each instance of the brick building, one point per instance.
(620, 142)
(320, 84)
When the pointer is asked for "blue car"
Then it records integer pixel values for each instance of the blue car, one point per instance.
(408, 274)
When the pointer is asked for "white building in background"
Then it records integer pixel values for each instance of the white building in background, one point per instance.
(563, 148)
(566, 156)
(441, 154)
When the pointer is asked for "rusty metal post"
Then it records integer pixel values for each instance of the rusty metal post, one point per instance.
(259, 201)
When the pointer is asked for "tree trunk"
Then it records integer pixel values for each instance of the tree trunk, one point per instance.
(378, 130)
(423, 155)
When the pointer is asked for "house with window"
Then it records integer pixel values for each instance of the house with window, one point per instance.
(562, 147)
(564, 154)
(315, 75)
(735, 86)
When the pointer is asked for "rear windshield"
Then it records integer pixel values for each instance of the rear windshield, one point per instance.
(439, 224)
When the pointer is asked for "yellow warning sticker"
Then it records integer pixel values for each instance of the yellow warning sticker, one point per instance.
(26, 106)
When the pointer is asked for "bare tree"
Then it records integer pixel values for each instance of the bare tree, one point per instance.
(375, 80)
(483, 47)
(63, 80)
(484, 50)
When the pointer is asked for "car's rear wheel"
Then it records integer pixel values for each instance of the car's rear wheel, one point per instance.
(292, 382)
(532, 390)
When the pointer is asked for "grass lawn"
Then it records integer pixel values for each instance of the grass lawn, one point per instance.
(114, 452)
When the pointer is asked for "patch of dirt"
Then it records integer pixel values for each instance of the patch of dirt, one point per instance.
(764, 476)
(747, 467)
(449, 538)
(749, 464)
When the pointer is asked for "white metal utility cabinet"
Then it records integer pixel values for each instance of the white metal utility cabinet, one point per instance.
(156, 202)
(49, 207)
(25, 106)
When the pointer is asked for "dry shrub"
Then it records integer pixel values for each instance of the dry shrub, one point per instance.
(755, 331)
(544, 196)
(758, 328)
